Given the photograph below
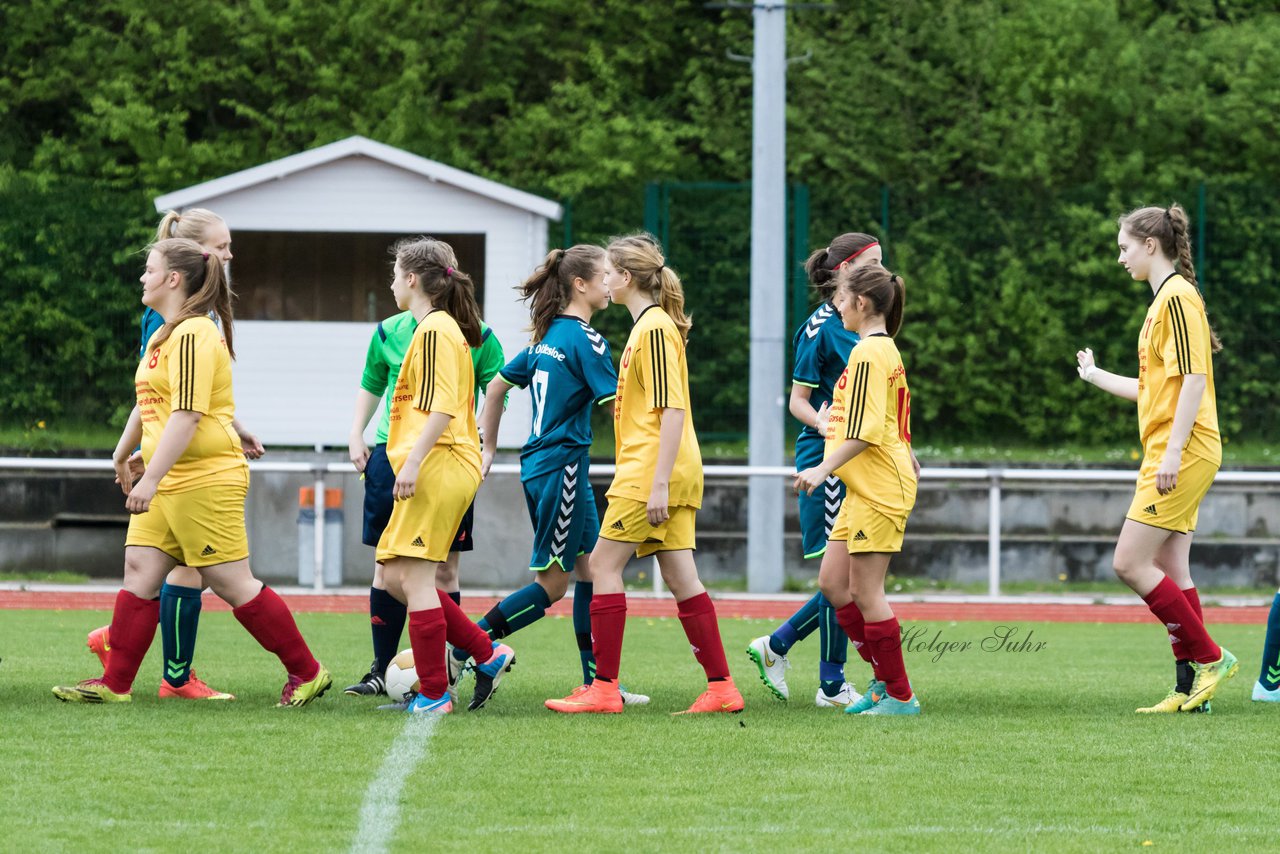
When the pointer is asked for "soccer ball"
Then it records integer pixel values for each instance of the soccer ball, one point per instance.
(401, 676)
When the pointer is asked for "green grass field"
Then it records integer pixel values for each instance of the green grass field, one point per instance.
(1032, 750)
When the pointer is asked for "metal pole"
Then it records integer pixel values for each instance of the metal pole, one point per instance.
(993, 536)
(319, 533)
(765, 567)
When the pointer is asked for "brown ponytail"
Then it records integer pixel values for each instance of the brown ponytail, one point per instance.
(1171, 229)
(550, 289)
(886, 291)
(205, 284)
(641, 256)
(450, 289)
(821, 266)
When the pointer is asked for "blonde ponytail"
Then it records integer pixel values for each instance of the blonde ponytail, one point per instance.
(641, 256)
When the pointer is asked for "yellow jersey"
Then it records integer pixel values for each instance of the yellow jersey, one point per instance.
(872, 403)
(191, 370)
(653, 375)
(1174, 342)
(436, 376)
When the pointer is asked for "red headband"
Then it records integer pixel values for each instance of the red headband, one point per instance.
(856, 254)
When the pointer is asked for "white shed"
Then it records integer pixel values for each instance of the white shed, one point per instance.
(310, 235)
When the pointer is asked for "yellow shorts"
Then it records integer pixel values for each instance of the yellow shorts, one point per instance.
(424, 526)
(199, 527)
(627, 521)
(1178, 510)
(866, 529)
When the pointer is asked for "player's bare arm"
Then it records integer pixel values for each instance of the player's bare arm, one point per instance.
(1126, 387)
(178, 433)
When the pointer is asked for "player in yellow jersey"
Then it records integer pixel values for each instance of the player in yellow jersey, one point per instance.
(180, 594)
(869, 448)
(432, 438)
(1181, 446)
(188, 507)
(657, 489)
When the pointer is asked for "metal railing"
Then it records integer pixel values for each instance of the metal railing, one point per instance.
(995, 478)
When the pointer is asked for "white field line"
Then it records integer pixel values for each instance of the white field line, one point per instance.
(380, 813)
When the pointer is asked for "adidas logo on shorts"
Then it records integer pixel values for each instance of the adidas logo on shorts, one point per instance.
(418, 543)
(859, 536)
(617, 526)
(208, 550)
(1149, 509)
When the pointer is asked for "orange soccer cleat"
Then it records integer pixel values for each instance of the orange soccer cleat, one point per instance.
(99, 643)
(194, 688)
(722, 696)
(598, 698)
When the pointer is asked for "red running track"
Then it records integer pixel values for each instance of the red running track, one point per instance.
(765, 609)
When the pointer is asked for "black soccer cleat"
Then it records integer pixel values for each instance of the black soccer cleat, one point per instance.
(489, 674)
(370, 685)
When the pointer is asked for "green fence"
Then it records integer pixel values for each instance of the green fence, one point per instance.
(1004, 282)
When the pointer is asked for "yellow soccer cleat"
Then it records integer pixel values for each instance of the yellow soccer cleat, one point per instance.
(299, 693)
(1208, 678)
(1171, 704)
(90, 691)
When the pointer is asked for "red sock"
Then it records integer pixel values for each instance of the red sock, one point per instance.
(1174, 609)
(698, 616)
(463, 633)
(1192, 595)
(850, 619)
(608, 622)
(133, 627)
(269, 620)
(885, 640)
(427, 631)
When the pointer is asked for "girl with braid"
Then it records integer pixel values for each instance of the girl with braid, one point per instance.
(1182, 449)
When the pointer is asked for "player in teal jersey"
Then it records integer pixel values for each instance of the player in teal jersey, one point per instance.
(568, 371)
(180, 594)
(382, 365)
(822, 348)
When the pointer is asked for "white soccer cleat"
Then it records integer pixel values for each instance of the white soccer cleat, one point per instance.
(843, 699)
(1262, 695)
(773, 667)
(457, 669)
(631, 699)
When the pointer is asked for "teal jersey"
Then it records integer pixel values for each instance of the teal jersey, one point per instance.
(387, 347)
(151, 323)
(566, 372)
(822, 349)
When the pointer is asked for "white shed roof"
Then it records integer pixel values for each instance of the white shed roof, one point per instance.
(359, 146)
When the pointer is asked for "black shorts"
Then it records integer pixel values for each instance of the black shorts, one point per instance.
(379, 483)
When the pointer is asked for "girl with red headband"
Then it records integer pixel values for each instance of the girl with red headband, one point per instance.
(822, 346)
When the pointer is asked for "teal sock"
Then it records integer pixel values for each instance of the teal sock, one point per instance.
(179, 618)
(525, 606)
(1270, 676)
(582, 592)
